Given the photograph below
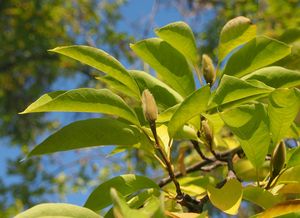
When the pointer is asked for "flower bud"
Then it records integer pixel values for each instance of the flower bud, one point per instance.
(278, 159)
(149, 106)
(207, 131)
(208, 69)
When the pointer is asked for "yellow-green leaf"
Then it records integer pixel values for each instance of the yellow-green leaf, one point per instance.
(228, 198)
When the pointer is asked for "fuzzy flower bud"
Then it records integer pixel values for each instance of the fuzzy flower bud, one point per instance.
(207, 131)
(149, 106)
(208, 69)
(278, 159)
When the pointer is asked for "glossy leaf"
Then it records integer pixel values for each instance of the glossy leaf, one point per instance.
(232, 190)
(167, 114)
(276, 77)
(181, 37)
(257, 53)
(58, 210)
(282, 110)
(250, 125)
(193, 105)
(100, 60)
(235, 32)
(88, 133)
(124, 184)
(294, 160)
(164, 95)
(170, 65)
(260, 197)
(291, 207)
(84, 100)
(232, 89)
(290, 175)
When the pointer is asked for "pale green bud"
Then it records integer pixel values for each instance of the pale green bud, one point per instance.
(149, 106)
(278, 159)
(208, 69)
(207, 131)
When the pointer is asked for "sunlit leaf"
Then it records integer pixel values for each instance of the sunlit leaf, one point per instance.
(124, 184)
(228, 198)
(257, 53)
(294, 160)
(232, 89)
(276, 77)
(235, 32)
(170, 65)
(181, 37)
(290, 175)
(58, 210)
(250, 124)
(288, 209)
(282, 110)
(164, 95)
(84, 100)
(88, 133)
(260, 197)
(193, 105)
(100, 60)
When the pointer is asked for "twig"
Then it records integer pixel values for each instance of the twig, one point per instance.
(198, 149)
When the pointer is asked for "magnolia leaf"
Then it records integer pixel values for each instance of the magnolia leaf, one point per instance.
(250, 125)
(88, 133)
(276, 77)
(193, 105)
(233, 90)
(294, 160)
(233, 191)
(124, 184)
(260, 197)
(100, 60)
(290, 176)
(181, 37)
(84, 100)
(288, 209)
(235, 32)
(170, 65)
(257, 53)
(282, 110)
(58, 210)
(164, 95)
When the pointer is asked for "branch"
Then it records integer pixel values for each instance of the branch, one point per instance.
(199, 166)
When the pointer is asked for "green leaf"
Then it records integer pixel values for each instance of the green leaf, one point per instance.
(257, 53)
(170, 65)
(58, 210)
(181, 37)
(287, 209)
(250, 124)
(233, 89)
(233, 191)
(84, 100)
(114, 84)
(235, 32)
(283, 109)
(290, 176)
(164, 95)
(193, 105)
(121, 209)
(124, 184)
(260, 197)
(294, 160)
(276, 77)
(166, 115)
(100, 60)
(88, 133)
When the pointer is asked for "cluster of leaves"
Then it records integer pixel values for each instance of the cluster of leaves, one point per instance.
(231, 128)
